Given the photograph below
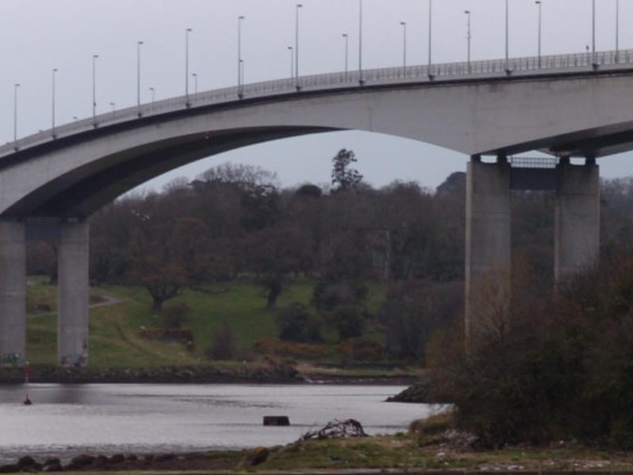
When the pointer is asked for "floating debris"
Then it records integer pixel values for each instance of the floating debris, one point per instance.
(337, 430)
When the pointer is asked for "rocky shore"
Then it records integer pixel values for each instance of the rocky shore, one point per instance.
(128, 462)
(164, 375)
(420, 392)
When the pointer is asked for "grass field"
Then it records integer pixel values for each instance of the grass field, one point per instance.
(115, 329)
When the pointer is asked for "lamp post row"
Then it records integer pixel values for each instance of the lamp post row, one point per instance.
(294, 55)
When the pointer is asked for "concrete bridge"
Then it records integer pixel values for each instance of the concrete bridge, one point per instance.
(575, 105)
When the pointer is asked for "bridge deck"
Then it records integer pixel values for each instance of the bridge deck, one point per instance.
(432, 74)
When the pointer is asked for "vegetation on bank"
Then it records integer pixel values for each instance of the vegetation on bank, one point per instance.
(230, 267)
(128, 340)
(431, 445)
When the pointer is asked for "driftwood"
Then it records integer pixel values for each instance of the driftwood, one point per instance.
(337, 430)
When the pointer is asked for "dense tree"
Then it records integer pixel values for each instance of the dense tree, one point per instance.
(296, 323)
(343, 176)
(416, 310)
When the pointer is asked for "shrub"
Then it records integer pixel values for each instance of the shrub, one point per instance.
(561, 368)
(361, 350)
(223, 346)
(349, 322)
(297, 324)
(272, 346)
(175, 315)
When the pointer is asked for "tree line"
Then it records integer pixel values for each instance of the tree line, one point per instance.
(235, 221)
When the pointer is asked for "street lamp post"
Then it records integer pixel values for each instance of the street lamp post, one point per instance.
(242, 78)
(468, 37)
(94, 89)
(292, 61)
(507, 37)
(297, 8)
(195, 82)
(138, 76)
(360, 43)
(540, 24)
(404, 44)
(593, 32)
(187, 31)
(53, 103)
(346, 37)
(430, 34)
(113, 105)
(617, 31)
(240, 19)
(153, 91)
(15, 115)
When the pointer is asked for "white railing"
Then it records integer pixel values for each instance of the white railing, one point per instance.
(411, 74)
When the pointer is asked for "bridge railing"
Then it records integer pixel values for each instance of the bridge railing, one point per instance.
(411, 74)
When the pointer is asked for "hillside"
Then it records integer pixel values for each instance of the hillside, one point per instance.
(122, 322)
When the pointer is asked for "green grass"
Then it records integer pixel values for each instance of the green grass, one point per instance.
(115, 330)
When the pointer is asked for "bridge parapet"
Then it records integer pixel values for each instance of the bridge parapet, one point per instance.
(446, 72)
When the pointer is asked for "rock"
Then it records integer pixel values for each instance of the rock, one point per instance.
(255, 457)
(101, 462)
(52, 461)
(53, 467)
(80, 461)
(276, 421)
(26, 462)
(165, 457)
(117, 458)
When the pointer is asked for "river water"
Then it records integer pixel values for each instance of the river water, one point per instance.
(70, 419)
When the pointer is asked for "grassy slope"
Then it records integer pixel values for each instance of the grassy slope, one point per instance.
(115, 329)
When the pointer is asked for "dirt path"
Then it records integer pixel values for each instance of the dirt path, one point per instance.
(106, 302)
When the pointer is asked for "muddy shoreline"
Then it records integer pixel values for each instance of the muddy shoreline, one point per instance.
(188, 375)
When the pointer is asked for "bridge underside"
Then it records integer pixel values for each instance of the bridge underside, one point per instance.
(86, 189)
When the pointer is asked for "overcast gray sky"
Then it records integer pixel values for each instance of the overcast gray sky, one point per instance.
(39, 35)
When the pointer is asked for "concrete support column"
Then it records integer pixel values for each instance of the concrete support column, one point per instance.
(577, 234)
(488, 228)
(73, 288)
(12, 293)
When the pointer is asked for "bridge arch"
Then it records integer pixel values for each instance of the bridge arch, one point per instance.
(569, 114)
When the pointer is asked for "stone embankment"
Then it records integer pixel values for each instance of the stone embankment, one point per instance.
(166, 375)
(128, 462)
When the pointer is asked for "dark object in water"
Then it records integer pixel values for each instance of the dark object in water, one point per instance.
(276, 421)
(27, 401)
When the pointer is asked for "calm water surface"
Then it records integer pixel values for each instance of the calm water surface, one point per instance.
(66, 420)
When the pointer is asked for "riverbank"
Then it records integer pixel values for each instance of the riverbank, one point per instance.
(449, 452)
(247, 373)
(163, 375)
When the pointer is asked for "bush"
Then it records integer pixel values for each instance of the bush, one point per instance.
(361, 350)
(271, 346)
(414, 312)
(175, 315)
(349, 322)
(297, 324)
(562, 369)
(223, 346)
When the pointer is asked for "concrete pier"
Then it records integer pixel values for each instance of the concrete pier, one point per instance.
(488, 240)
(73, 288)
(577, 238)
(12, 293)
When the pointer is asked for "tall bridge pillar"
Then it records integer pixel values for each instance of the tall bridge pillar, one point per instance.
(12, 292)
(73, 288)
(577, 238)
(488, 240)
